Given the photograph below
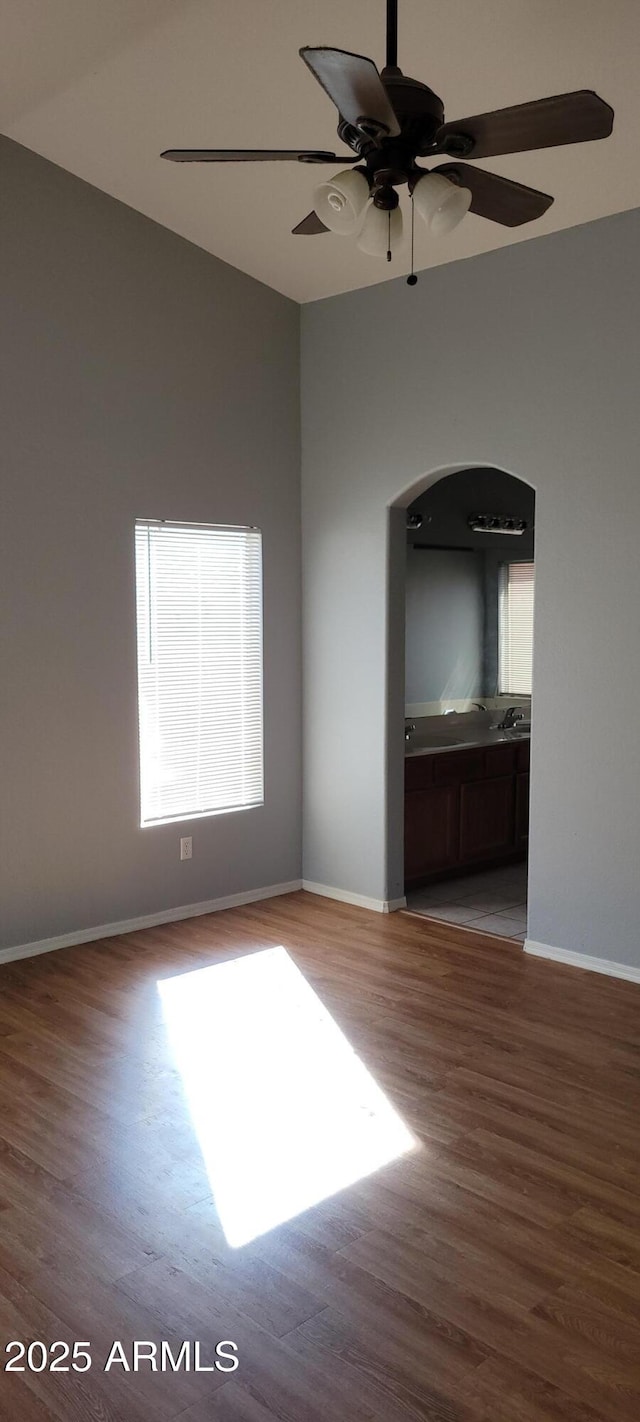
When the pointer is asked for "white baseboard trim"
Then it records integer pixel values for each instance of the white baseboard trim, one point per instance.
(147, 920)
(582, 960)
(392, 905)
(343, 896)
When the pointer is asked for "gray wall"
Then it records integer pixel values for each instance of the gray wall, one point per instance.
(140, 377)
(525, 359)
(444, 641)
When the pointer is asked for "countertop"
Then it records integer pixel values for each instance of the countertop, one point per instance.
(435, 745)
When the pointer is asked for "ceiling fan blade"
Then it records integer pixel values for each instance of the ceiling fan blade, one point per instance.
(253, 155)
(497, 198)
(310, 226)
(355, 87)
(544, 123)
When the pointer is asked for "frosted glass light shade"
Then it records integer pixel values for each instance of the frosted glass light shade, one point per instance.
(375, 236)
(340, 202)
(441, 203)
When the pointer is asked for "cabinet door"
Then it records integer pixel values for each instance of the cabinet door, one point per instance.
(486, 818)
(522, 810)
(430, 830)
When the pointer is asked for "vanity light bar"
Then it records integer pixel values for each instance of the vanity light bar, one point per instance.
(496, 523)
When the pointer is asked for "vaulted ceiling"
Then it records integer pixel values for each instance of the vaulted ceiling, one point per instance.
(102, 86)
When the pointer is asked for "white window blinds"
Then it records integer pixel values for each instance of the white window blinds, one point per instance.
(516, 628)
(199, 622)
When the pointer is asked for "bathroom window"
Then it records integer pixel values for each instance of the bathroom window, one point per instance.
(199, 626)
(516, 597)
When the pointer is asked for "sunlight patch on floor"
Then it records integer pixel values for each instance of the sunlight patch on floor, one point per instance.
(285, 1112)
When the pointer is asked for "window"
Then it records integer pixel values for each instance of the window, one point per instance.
(199, 622)
(516, 628)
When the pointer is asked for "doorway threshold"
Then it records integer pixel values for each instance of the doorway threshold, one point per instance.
(492, 902)
(462, 935)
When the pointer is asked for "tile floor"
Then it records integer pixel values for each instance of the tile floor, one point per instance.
(494, 901)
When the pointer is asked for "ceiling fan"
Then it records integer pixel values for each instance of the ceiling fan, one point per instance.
(389, 121)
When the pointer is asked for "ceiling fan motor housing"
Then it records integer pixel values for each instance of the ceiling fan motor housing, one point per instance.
(420, 112)
(390, 161)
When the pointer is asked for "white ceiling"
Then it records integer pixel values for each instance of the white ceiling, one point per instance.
(102, 86)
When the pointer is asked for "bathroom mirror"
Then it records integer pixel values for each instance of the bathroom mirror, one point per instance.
(470, 580)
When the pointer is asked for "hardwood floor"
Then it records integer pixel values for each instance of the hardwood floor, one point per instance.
(492, 1274)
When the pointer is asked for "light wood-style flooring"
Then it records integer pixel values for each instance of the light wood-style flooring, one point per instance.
(490, 1275)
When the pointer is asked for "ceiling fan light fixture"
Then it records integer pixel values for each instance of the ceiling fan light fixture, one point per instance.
(341, 202)
(440, 203)
(381, 231)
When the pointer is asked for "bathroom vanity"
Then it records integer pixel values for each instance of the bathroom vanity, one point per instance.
(465, 807)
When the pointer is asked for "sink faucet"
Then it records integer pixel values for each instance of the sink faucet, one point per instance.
(512, 715)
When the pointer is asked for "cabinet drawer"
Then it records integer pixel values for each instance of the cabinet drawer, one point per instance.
(456, 766)
(524, 755)
(500, 760)
(418, 772)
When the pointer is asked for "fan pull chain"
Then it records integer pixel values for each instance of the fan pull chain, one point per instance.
(389, 237)
(412, 279)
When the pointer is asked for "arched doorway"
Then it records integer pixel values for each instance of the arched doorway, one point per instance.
(461, 577)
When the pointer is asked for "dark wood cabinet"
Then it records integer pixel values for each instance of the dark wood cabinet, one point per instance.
(456, 766)
(522, 810)
(499, 760)
(430, 830)
(523, 755)
(486, 818)
(465, 808)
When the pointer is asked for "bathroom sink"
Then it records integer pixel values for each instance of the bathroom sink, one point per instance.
(462, 740)
(441, 742)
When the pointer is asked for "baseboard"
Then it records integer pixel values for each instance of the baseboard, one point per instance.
(582, 960)
(343, 896)
(392, 905)
(147, 920)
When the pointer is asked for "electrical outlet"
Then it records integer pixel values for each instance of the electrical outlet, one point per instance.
(186, 847)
